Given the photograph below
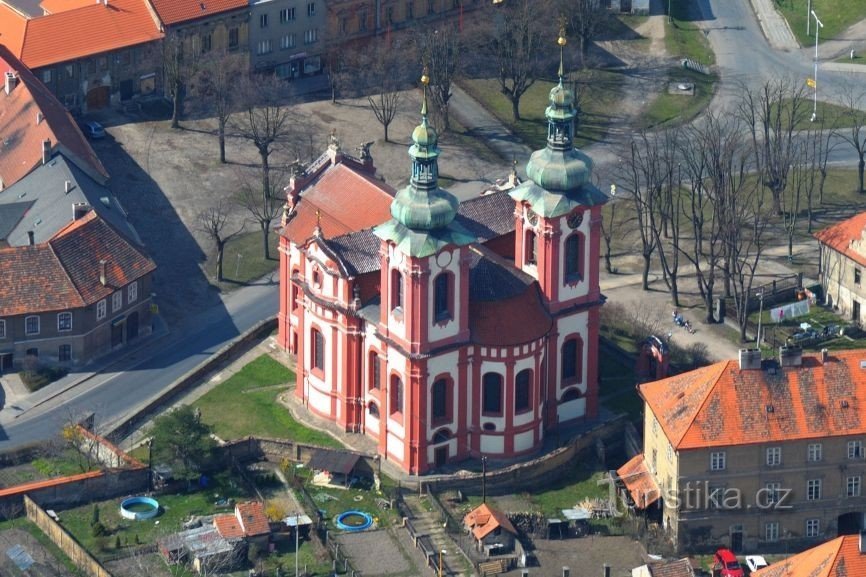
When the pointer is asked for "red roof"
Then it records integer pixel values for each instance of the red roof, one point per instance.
(64, 272)
(843, 237)
(174, 11)
(228, 526)
(722, 405)
(23, 130)
(54, 6)
(253, 519)
(87, 30)
(840, 557)
(347, 200)
(484, 519)
(640, 484)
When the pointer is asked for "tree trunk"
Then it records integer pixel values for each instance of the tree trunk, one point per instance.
(265, 232)
(385, 125)
(708, 303)
(675, 291)
(219, 262)
(175, 109)
(515, 108)
(860, 167)
(607, 264)
(777, 201)
(646, 270)
(222, 138)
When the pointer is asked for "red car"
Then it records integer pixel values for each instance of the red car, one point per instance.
(725, 564)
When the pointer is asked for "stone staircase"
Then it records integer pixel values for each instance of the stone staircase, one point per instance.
(427, 523)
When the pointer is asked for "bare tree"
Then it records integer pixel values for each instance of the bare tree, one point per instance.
(586, 18)
(609, 224)
(384, 71)
(212, 221)
(262, 207)
(772, 114)
(441, 54)
(218, 77)
(641, 178)
(854, 102)
(180, 59)
(665, 221)
(824, 142)
(801, 183)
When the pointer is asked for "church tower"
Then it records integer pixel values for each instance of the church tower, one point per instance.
(424, 294)
(557, 240)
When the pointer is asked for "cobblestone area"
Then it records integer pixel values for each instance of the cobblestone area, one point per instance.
(377, 553)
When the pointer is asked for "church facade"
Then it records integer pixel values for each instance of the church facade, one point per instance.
(444, 330)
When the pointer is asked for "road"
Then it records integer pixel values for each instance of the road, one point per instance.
(141, 376)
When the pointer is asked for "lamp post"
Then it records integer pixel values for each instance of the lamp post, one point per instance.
(441, 552)
(671, 16)
(760, 295)
(483, 479)
(808, 17)
(150, 464)
(297, 539)
(818, 26)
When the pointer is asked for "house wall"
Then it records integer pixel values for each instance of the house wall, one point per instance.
(290, 44)
(839, 279)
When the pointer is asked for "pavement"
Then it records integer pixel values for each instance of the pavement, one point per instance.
(775, 27)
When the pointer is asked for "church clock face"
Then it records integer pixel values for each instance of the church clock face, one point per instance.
(531, 217)
(574, 220)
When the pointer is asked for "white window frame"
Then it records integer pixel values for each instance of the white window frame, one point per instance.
(117, 301)
(774, 456)
(2, 329)
(132, 292)
(287, 15)
(263, 20)
(813, 490)
(772, 493)
(771, 531)
(64, 315)
(854, 486)
(287, 41)
(264, 47)
(311, 9)
(311, 36)
(718, 461)
(813, 527)
(670, 454)
(815, 453)
(27, 320)
(101, 309)
(855, 450)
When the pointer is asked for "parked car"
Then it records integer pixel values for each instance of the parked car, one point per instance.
(725, 564)
(755, 562)
(92, 129)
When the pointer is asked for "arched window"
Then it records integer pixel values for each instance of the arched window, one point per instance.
(529, 248)
(491, 385)
(396, 394)
(396, 290)
(442, 297)
(441, 436)
(572, 258)
(571, 395)
(439, 401)
(373, 409)
(374, 374)
(572, 360)
(318, 342)
(522, 391)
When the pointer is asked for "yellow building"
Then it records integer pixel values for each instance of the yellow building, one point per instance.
(842, 264)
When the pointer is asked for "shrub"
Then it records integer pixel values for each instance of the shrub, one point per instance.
(98, 529)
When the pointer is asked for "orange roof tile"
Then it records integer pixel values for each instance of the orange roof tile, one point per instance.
(484, 519)
(722, 405)
(13, 26)
(92, 29)
(640, 484)
(842, 235)
(840, 557)
(228, 526)
(347, 201)
(174, 11)
(252, 518)
(22, 130)
(54, 6)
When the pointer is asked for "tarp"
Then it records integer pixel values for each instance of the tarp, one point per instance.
(789, 311)
(20, 557)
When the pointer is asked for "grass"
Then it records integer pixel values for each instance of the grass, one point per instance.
(593, 122)
(684, 38)
(68, 462)
(834, 116)
(336, 501)
(41, 376)
(675, 109)
(835, 15)
(243, 261)
(245, 404)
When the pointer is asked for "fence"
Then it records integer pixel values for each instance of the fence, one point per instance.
(58, 535)
(775, 292)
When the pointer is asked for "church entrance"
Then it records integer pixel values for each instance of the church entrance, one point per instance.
(440, 456)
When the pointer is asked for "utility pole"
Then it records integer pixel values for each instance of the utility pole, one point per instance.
(483, 479)
(818, 26)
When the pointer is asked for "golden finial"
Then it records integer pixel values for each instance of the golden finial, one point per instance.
(425, 80)
(562, 41)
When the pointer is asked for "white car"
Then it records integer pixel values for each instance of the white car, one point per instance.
(755, 562)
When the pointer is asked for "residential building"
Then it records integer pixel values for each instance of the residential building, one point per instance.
(840, 557)
(445, 331)
(248, 522)
(675, 568)
(842, 266)
(491, 530)
(353, 20)
(89, 54)
(755, 454)
(287, 37)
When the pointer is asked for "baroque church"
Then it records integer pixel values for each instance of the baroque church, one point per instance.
(445, 330)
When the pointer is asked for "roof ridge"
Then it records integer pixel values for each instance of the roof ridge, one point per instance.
(723, 365)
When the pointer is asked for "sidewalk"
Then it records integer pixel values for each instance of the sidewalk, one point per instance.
(774, 26)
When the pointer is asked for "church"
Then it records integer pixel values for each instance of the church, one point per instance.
(444, 330)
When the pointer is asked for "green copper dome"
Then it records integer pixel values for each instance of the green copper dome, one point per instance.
(421, 209)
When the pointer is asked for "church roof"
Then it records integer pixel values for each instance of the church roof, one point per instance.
(357, 251)
(487, 217)
(492, 277)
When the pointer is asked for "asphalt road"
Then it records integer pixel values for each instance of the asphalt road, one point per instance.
(144, 374)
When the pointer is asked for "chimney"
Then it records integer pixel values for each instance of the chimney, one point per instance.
(750, 359)
(39, 118)
(79, 209)
(103, 278)
(824, 355)
(863, 542)
(31, 237)
(790, 356)
(11, 81)
(46, 151)
(67, 186)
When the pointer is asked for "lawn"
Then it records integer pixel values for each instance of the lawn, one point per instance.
(675, 109)
(599, 93)
(835, 15)
(246, 404)
(243, 261)
(683, 37)
(834, 116)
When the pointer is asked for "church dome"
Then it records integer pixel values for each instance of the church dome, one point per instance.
(424, 136)
(560, 170)
(423, 209)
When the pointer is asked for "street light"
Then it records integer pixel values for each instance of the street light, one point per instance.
(760, 295)
(808, 19)
(441, 552)
(818, 26)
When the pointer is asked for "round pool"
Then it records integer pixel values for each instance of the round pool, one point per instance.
(353, 521)
(138, 508)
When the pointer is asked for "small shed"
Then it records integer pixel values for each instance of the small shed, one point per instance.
(249, 522)
(340, 465)
(300, 523)
(491, 529)
(678, 568)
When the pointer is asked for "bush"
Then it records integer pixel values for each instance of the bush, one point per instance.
(98, 529)
(35, 376)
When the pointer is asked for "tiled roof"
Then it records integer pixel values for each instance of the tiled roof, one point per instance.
(640, 484)
(358, 251)
(253, 519)
(492, 277)
(64, 272)
(487, 216)
(23, 131)
(484, 519)
(54, 6)
(843, 237)
(175, 11)
(91, 29)
(13, 27)
(228, 526)
(346, 200)
(722, 405)
(677, 568)
(840, 557)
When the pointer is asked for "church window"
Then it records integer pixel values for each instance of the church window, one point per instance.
(442, 298)
(441, 436)
(572, 257)
(572, 360)
(296, 296)
(396, 394)
(492, 393)
(375, 373)
(374, 410)
(530, 251)
(439, 400)
(318, 350)
(396, 290)
(522, 391)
